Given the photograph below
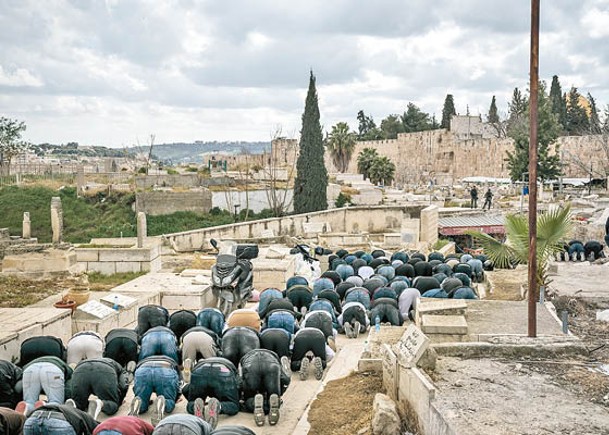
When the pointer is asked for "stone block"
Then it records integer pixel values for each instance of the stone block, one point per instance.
(191, 273)
(441, 306)
(87, 254)
(105, 268)
(120, 254)
(411, 346)
(153, 266)
(370, 365)
(128, 266)
(390, 371)
(385, 417)
(452, 325)
(183, 301)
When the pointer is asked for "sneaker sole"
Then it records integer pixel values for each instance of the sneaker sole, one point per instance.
(211, 412)
(304, 369)
(319, 368)
(259, 410)
(199, 408)
(134, 408)
(274, 411)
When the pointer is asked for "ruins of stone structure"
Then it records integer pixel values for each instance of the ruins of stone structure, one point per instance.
(27, 226)
(142, 229)
(56, 219)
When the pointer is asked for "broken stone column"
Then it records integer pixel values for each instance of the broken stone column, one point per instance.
(80, 179)
(27, 226)
(142, 229)
(57, 219)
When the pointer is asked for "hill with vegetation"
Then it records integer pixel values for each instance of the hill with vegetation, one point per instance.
(181, 152)
(100, 216)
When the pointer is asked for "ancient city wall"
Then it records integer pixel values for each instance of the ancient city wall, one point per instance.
(160, 202)
(440, 156)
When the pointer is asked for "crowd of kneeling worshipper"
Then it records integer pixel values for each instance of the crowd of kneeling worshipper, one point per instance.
(577, 250)
(219, 365)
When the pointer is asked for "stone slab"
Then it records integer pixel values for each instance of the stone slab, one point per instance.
(443, 306)
(452, 325)
(390, 371)
(411, 346)
(94, 309)
(191, 273)
(19, 324)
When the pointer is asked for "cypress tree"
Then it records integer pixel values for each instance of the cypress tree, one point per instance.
(311, 177)
(559, 106)
(577, 117)
(447, 111)
(595, 122)
(493, 116)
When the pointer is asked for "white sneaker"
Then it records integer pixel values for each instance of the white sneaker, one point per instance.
(159, 410)
(285, 365)
(356, 329)
(304, 369)
(348, 330)
(187, 369)
(95, 407)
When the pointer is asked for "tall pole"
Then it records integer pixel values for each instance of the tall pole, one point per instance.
(533, 106)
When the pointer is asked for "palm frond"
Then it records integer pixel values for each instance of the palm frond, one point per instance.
(517, 230)
(552, 227)
(501, 254)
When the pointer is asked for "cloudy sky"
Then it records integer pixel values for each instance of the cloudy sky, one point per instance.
(113, 72)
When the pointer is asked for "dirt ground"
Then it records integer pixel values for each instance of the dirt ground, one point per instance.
(344, 407)
(492, 397)
(506, 283)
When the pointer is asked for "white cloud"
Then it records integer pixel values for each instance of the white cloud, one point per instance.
(106, 72)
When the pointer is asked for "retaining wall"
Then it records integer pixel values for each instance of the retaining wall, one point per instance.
(109, 261)
(161, 203)
(353, 220)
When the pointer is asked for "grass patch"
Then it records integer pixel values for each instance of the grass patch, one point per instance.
(19, 293)
(99, 216)
(99, 282)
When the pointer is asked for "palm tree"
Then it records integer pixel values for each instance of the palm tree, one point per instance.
(552, 229)
(364, 161)
(382, 171)
(340, 143)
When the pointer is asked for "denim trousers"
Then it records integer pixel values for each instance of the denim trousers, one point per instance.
(47, 426)
(45, 377)
(159, 343)
(160, 380)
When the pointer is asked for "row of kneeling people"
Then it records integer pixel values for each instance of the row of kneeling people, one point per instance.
(165, 357)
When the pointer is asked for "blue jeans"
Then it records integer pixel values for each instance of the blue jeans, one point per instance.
(211, 319)
(47, 426)
(159, 343)
(160, 380)
(109, 432)
(43, 376)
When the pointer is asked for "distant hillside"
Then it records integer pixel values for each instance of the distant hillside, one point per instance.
(73, 149)
(191, 152)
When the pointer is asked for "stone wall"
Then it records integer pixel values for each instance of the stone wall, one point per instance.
(109, 261)
(446, 158)
(353, 220)
(160, 203)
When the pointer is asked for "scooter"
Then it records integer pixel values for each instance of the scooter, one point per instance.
(232, 277)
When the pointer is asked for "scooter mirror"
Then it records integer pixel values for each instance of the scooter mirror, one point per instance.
(214, 243)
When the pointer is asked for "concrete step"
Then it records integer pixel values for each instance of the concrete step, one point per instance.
(447, 325)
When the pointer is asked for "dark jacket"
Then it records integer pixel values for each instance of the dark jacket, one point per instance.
(10, 374)
(11, 422)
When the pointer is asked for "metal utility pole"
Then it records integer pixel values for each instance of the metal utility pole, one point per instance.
(533, 106)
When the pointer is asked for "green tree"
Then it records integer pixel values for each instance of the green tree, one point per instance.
(559, 106)
(312, 178)
(552, 229)
(595, 122)
(493, 115)
(448, 111)
(517, 117)
(364, 161)
(382, 171)
(548, 163)
(391, 126)
(367, 129)
(340, 143)
(11, 144)
(578, 122)
(414, 119)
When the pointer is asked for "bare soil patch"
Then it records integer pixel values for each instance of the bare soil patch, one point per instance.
(507, 283)
(344, 407)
